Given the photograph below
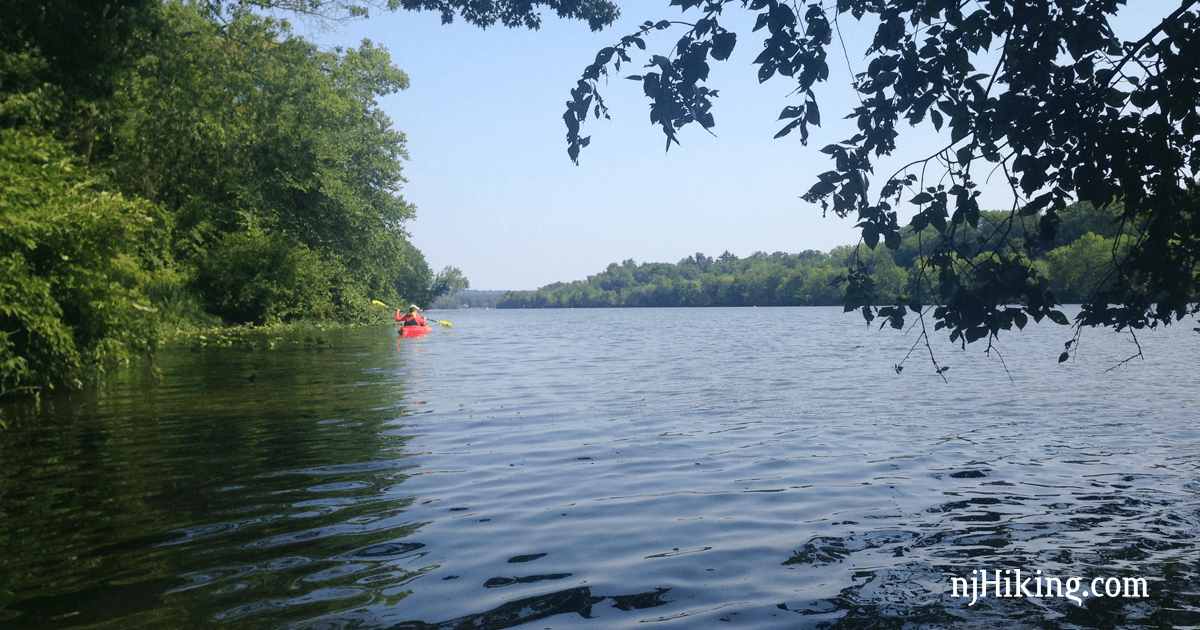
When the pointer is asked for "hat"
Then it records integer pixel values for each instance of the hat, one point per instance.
(414, 307)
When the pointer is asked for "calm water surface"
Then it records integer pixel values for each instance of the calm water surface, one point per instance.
(691, 468)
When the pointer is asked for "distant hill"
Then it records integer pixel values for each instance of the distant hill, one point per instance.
(468, 298)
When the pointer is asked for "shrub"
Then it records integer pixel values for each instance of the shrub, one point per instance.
(264, 278)
(70, 297)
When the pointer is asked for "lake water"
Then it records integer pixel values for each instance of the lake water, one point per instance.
(687, 468)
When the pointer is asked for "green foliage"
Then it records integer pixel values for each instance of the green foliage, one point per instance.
(1082, 267)
(264, 278)
(73, 263)
(244, 130)
(267, 149)
(160, 169)
(699, 280)
(481, 13)
(447, 282)
(1068, 112)
(851, 276)
(80, 45)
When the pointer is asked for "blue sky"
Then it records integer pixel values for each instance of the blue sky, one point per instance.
(498, 198)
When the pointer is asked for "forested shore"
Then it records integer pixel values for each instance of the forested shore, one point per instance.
(1076, 262)
(169, 166)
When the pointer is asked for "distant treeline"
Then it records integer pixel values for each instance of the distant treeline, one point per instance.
(1077, 259)
(469, 299)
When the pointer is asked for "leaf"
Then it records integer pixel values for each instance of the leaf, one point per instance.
(814, 114)
(1064, 356)
(1057, 317)
(791, 111)
(1141, 99)
(766, 71)
(936, 117)
(788, 128)
(870, 235)
(722, 45)
(1115, 98)
(819, 190)
(958, 130)
(1036, 205)
(892, 240)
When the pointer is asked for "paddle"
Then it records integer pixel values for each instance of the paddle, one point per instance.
(444, 324)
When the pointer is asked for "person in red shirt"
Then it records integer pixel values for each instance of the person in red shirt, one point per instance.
(412, 317)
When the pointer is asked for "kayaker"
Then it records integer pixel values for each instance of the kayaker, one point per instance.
(412, 317)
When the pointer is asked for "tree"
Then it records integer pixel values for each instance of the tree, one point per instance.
(481, 13)
(267, 150)
(448, 281)
(1080, 267)
(1068, 111)
(83, 44)
(151, 157)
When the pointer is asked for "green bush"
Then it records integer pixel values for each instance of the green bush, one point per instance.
(70, 296)
(265, 278)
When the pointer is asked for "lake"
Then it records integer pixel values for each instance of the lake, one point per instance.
(598, 469)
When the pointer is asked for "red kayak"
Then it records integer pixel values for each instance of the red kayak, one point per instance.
(415, 331)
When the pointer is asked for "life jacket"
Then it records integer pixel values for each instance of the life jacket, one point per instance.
(412, 319)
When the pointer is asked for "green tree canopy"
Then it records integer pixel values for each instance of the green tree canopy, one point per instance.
(1043, 92)
(481, 13)
(165, 162)
(267, 149)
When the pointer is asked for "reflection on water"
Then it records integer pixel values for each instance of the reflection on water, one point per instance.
(606, 469)
(245, 485)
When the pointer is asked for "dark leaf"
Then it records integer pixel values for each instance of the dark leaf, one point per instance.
(814, 114)
(892, 240)
(791, 111)
(788, 128)
(761, 21)
(958, 130)
(722, 45)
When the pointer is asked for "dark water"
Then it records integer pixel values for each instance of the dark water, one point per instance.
(691, 468)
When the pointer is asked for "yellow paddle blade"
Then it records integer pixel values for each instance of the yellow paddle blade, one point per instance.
(379, 304)
(443, 323)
